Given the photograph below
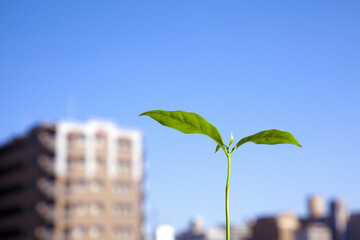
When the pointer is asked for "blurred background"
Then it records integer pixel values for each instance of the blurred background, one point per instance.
(245, 66)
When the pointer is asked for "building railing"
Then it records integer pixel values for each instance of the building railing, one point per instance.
(46, 211)
(44, 233)
(47, 140)
(46, 186)
(47, 164)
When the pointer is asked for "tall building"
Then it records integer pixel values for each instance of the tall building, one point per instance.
(339, 220)
(216, 233)
(196, 231)
(241, 232)
(72, 181)
(316, 206)
(314, 231)
(282, 227)
(354, 227)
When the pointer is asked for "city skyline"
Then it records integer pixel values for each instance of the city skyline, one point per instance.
(245, 66)
(323, 221)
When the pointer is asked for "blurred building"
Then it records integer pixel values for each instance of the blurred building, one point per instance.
(339, 217)
(165, 232)
(237, 232)
(195, 232)
(316, 213)
(314, 231)
(282, 227)
(354, 227)
(241, 231)
(216, 233)
(316, 206)
(72, 181)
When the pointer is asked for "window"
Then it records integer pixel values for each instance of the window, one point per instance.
(96, 186)
(124, 166)
(122, 210)
(77, 186)
(67, 234)
(78, 232)
(100, 139)
(124, 144)
(81, 208)
(100, 163)
(67, 187)
(122, 188)
(95, 232)
(67, 211)
(96, 208)
(80, 161)
(122, 233)
(77, 164)
(80, 185)
(76, 140)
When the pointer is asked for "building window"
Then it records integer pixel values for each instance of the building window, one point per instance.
(67, 234)
(95, 232)
(80, 185)
(100, 163)
(76, 164)
(124, 145)
(122, 210)
(67, 187)
(76, 140)
(122, 233)
(77, 186)
(96, 186)
(81, 208)
(67, 211)
(100, 139)
(96, 208)
(124, 166)
(122, 188)
(78, 232)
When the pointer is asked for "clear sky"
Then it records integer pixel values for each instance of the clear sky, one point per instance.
(245, 66)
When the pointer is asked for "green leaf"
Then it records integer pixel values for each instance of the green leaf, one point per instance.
(273, 136)
(217, 148)
(186, 122)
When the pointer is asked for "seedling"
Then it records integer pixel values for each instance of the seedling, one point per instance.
(188, 122)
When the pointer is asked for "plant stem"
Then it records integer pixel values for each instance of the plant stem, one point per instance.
(227, 198)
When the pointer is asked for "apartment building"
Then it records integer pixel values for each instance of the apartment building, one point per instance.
(314, 231)
(281, 227)
(354, 227)
(72, 181)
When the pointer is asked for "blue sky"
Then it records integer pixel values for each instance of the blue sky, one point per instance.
(245, 66)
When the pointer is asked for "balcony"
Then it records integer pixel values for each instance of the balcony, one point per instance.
(46, 211)
(47, 140)
(76, 141)
(47, 164)
(46, 187)
(44, 233)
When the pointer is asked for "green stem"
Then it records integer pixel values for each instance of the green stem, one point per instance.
(227, 198)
